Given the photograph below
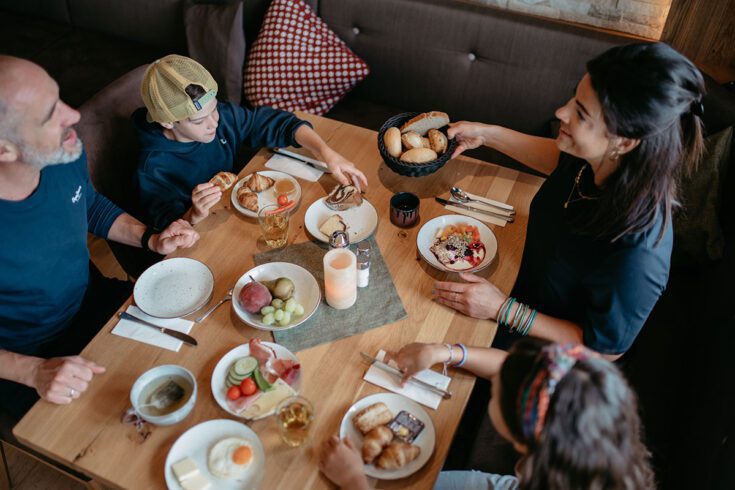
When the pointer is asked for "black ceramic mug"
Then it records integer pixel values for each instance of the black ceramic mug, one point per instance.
(404, 209)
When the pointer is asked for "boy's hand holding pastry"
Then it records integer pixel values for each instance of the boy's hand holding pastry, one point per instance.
(340, 461)
(343, 170)
(203, 197)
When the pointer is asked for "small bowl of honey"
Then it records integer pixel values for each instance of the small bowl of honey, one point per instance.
(284, 187)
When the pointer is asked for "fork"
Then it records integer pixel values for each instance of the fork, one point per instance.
(227, 297)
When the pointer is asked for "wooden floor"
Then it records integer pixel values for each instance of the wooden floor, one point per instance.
(26, 472)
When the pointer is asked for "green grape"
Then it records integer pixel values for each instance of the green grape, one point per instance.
(286, 319)
(290, 305)
(298, 310)
(267, 309)
(269, 319)
(277, 303)
(278, 315)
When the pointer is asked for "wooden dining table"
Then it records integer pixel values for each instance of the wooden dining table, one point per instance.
(89, 436)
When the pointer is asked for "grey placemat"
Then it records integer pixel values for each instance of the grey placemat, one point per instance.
(377, 304)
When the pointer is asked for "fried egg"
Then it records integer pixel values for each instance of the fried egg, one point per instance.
(230, 457)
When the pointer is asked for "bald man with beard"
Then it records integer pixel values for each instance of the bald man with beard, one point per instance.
(52, 300)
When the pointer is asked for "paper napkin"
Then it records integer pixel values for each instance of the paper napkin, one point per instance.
(293, 167)
(141, 333)
(415, 392)
(480, 216)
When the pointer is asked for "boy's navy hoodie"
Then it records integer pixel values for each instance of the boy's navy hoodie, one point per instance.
(169, 170)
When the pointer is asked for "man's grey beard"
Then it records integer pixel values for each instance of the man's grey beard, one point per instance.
(41, 160)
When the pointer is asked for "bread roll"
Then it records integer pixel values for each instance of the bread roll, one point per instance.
(224, 180)
(397, 455)
(412, 140)
(392, 141)
(437, 141)
(371, 417)
(426, 121)
(248, 199)
(374, 442)
(419, 155)
(259, 183)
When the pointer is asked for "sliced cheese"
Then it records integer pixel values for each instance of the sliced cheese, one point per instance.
(197, 482)
(185, 469)
(269, 400)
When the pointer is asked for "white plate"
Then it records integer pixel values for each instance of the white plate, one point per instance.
(395, 403)
(361, 220)
(268, 196)
(219, 375)
(427, 233)
(196, 442)
(306, 292)
(174, 288)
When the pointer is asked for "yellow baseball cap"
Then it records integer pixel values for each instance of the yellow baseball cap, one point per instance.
(164, 88)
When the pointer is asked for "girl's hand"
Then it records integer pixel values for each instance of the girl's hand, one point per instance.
(478, 298)
(341, 462)
(469, 135)
(203, 197)
(416, 357)
(345, 171)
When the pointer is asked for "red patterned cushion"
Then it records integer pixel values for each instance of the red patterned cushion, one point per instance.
(298, 63)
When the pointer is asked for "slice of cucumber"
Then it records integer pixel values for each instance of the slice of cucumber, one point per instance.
(245, 366)
(260, 381)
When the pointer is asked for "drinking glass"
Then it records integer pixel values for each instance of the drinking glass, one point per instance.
(404, 209)
(294, 417)
(274, 225)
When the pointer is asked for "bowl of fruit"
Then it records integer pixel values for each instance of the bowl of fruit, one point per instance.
(276, 296)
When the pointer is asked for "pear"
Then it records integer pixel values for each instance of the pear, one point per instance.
(281, 288)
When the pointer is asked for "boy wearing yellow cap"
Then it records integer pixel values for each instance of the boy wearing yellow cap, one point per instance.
(187, 136)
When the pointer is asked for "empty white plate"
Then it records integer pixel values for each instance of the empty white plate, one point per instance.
(361, 220)
(196, 443)
(174, 288)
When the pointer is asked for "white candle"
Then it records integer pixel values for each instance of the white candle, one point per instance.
(340, 278)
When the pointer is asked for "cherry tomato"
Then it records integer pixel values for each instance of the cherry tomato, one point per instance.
(247, 386)
(234, 393)
(282, 200)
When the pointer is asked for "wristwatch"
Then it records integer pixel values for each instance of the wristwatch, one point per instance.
(149, 230)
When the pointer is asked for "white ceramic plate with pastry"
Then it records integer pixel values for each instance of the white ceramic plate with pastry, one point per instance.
(219, 440)
(425, 441)
(267, 196)
(173, 288)
(306, 293)
(219, 375)
(361, 221)
(427, 237)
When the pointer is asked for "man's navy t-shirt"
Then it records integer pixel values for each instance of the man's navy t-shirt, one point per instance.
(44, 261)
(608, 288)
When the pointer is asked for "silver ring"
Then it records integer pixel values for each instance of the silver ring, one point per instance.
(72, 392)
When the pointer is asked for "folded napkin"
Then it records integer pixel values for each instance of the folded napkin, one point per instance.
(480, 216)
(141, 333)
(413, 391)
(294, 167)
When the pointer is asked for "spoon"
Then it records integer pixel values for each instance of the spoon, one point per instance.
(462, 196)
(228, 296)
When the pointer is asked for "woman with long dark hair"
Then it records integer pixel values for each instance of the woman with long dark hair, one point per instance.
(599, 238)
(568, 411)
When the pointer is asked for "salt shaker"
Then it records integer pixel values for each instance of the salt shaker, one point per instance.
(363, 264)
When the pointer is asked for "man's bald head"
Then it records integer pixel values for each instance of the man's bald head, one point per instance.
(36, 127)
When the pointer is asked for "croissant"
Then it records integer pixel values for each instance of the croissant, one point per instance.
(371, 417)
(247, 199)
(397, 455)
(259, 183)
(224, 180)
(374, 442)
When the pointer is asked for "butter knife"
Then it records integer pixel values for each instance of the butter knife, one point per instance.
(187, 339)
(395, 372)
(446, 202)
(316, 164)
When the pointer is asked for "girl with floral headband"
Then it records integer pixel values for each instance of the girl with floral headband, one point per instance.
(566, 410)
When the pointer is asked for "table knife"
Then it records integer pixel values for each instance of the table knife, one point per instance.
(301, 158)
(446, 202)
(187, 339)
(395, 372)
